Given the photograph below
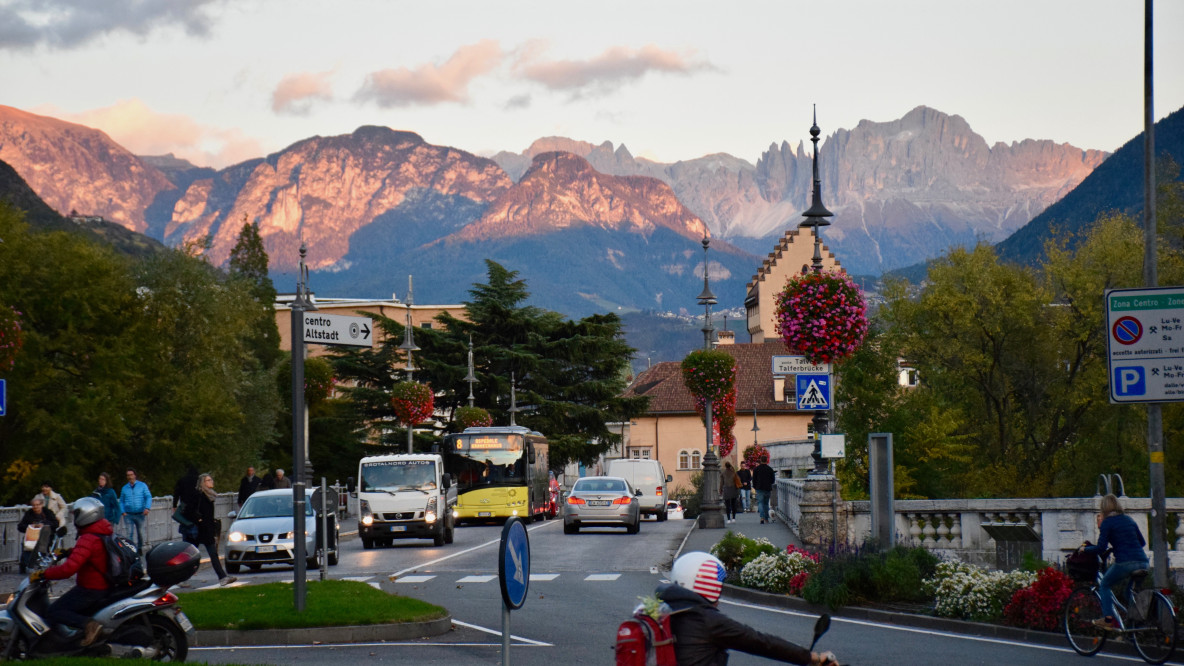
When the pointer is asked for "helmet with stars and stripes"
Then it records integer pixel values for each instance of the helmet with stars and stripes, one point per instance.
(700, 573)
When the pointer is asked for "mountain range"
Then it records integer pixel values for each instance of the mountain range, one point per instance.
(590, 227)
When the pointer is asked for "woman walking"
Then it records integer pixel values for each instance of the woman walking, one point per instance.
(106, 494)
(207, 525)
(731, 491)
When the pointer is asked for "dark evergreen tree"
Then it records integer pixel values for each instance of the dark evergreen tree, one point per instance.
(248, 264)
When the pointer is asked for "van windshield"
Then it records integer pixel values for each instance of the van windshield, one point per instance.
(395, 475)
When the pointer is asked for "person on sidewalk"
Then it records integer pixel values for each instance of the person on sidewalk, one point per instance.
(105, 493)
(208, 527)
(731, 491)
(703, 635)
(1119, 532)
(763, 479)
(54, 503)
(745, 475)
(281, 481)
(136, 502)
(248, 486)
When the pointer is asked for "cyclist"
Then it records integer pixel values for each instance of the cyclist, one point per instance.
(1119, 533)
(703, 635)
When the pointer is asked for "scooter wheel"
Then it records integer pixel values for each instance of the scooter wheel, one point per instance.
(168, 639)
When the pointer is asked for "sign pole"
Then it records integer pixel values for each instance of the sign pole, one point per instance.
(298, 307)
(505, 635)
(513, 569)
(324, 531)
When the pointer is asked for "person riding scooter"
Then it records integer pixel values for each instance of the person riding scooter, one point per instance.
(88, 560)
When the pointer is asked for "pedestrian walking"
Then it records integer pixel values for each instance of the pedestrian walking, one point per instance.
(208, 527)
(745, 475)
(136, 501)
(730, 485)
(105, 493)
(281, 481)
(248, 486)
(763, 479)
(53, 501)
(185, 489)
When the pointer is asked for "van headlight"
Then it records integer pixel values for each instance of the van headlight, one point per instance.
(429, 513)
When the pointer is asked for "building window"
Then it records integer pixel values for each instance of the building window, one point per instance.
(684, 459)
(695, 461)
(426, 324)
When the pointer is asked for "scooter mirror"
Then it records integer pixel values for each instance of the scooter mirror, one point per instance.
(820, 628)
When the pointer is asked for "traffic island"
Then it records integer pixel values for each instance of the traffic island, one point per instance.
(336, 611)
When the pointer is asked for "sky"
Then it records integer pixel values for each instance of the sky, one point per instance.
(217, 82)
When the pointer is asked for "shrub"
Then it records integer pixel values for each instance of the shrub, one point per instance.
(690, 497)
(867, 573)
(1039, 605)
(730, 549)
(777, 572)
(972, 593)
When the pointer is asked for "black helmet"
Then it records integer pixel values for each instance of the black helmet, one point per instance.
(87, 511)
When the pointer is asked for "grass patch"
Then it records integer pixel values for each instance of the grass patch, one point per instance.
(329, 603)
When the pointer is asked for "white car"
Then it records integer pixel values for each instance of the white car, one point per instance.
(674, 510)
(262, 533)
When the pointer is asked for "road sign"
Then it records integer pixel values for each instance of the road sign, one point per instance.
(331, 329)
(331, 501)
(514, 563)
(1145, 344)
(796, 365)
(813, 391)
(3, 397)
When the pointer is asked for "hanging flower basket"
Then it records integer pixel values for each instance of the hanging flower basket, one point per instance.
(473, 417)
(710, 376)
(413, 402)
(755, 455)
(821, 316)
(11, 339)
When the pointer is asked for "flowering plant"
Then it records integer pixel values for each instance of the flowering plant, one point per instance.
(972, 593)
(413, 402)
(1040, 605)
(473, 417)
(710, 376)
(821, 316)
(755, 455)
(779, 572)
(10, 337)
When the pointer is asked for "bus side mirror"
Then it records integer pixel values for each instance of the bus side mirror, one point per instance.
(669, 478)
(446, 481)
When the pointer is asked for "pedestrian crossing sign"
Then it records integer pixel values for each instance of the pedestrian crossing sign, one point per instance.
(813, 391)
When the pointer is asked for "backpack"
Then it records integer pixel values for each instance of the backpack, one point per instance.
(123, 561)
(645, 641)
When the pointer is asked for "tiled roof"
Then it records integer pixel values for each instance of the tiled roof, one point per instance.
(754, 379)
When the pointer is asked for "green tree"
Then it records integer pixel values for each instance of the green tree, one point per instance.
(248, 263)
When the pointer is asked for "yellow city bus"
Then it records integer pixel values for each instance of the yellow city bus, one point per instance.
(499, 472)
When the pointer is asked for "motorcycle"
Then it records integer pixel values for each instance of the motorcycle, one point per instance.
(141, 621)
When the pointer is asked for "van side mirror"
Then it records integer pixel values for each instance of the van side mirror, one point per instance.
(532, 457)
(446, 481)
(232, 514)
(669, 478)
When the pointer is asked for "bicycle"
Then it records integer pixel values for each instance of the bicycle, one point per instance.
(1147, 617)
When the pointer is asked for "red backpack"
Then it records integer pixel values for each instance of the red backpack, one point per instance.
(644, 641)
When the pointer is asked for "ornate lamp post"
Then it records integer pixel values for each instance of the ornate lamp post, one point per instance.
(408, 346)
(815, 218)
(471, 378)
(711, 505)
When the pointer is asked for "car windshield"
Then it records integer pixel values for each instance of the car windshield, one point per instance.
(599, 485)
(394, 475)
(274, 506)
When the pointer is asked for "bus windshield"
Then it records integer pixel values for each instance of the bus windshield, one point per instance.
(487, 459)
(395, 475)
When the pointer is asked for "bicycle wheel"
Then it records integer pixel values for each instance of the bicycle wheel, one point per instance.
(1155, 635)
(1081, 609)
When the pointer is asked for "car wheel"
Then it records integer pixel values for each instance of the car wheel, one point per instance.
(314, 562)
(388, 542)
(662, 516)
(449, 534)
(438, 539)
(367, 544)
(333, 558)
(232, 568)
(634, 528)
(571, 529)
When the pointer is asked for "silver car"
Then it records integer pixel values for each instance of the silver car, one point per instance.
(262, 533)
(602, 501)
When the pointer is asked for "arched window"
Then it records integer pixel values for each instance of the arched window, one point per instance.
(695, 462)
(684, 459)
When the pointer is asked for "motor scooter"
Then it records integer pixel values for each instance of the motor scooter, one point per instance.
(141, 620)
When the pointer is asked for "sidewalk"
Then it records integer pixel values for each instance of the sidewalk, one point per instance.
(748, 524)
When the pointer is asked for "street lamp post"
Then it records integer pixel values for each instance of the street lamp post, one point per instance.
(815, 218)
(301, 304)
(408, 346)
(711, 504)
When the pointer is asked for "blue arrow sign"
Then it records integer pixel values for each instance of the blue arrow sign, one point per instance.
(514, 564)
(813, 391)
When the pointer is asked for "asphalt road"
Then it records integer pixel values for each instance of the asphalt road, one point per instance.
(581, 587)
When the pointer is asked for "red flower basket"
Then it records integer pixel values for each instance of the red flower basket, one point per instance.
(473, 417)
(413, 402)
(821, 316)
(710, 375)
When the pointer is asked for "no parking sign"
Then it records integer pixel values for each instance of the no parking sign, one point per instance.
(1145, 344)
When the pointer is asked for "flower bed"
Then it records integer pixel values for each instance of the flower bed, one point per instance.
(967, 592)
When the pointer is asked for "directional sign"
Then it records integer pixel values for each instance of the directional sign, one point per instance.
(331, 329)
(797, 365)
(813, 391)
(514, 564)
(1145, 344)
(3, 397)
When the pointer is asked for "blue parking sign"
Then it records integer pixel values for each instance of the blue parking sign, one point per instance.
(1130, 380)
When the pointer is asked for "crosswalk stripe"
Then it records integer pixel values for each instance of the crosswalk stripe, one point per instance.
(357, 579)
(414, 579)
(543, 576)
(476, 579)
(603, 577)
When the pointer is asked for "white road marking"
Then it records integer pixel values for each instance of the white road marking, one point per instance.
(543, 576)
(498, 633)
(475, 579)
(602, 577)
(467, 550)
(337, 646)
(414, 579)
(376, 585)
(357, 579)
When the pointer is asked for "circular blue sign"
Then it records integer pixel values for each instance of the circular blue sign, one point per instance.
(513, 567)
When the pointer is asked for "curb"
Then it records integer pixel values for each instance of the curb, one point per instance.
(349, 634)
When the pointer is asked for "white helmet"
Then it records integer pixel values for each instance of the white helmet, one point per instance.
(701, 573)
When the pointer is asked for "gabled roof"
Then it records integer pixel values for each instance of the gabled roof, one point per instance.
(788, 238)
(663, 383)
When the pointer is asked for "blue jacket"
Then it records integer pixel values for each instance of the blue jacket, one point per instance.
(135, 499)
(1120, 533)
(110, 500)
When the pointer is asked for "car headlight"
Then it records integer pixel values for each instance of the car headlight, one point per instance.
(367, 520)
(236, 537)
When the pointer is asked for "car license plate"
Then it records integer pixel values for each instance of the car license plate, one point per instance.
(398, 528)
(186, 625)
(265, 549)
(599, 502)
(484, 514)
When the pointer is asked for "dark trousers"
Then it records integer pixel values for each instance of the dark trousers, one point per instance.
(75, 607)
(730, 507)
(212, 549)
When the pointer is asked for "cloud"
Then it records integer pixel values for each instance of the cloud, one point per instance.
(432, 84)
(296, 93)
(133, 125)
(606, 72)
(65, 24)
(518, 102)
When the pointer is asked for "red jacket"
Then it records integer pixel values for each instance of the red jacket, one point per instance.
(88, 559)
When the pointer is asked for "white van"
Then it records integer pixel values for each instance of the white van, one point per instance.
(405, 496)
(649, 477)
